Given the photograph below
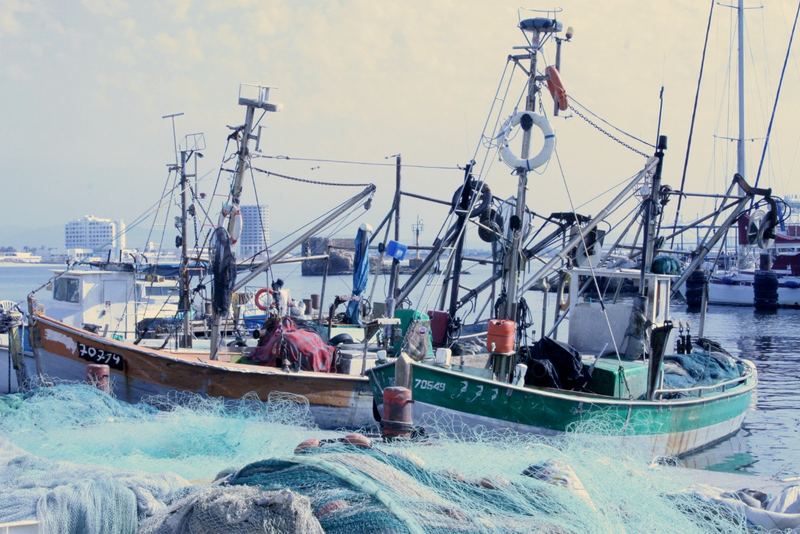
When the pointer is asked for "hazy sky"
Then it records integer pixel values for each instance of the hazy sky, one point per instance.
(84, 85)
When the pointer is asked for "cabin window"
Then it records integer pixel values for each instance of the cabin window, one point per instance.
(67, 289)
(160, 291)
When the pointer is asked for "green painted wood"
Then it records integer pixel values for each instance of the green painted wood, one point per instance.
(559, 410)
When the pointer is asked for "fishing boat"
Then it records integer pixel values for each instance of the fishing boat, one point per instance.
(617, 373)
(301, 368)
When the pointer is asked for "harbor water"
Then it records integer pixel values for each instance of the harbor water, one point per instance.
(768, 443)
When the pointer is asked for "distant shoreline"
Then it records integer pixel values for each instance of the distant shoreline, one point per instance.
(21, 264)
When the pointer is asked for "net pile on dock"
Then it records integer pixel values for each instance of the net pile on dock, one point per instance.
(461, 482)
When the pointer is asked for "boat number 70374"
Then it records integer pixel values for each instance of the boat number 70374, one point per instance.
(95, 355)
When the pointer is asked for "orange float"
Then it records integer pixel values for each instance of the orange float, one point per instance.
(556, 88)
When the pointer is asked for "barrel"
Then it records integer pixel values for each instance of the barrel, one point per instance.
(501, 336)
(315, 301)
(98, 375)
(765, 291)
(695, 285)
(398, 416)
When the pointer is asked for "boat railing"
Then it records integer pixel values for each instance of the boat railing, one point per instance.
(719, 386)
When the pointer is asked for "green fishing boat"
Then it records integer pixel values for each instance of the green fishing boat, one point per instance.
(623, 368)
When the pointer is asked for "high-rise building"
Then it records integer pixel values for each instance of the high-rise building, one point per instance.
(255, 230)
(90, 232)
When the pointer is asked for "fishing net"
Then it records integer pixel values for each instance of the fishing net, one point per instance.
(71, 498)
(186, 434)
(100, 465)
(236, 510)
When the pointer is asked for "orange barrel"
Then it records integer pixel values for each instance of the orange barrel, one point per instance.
(99, 375)
(501, 335)
(398, 417)
(439, 321)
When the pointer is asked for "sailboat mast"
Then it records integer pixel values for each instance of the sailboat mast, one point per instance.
(513, 257)
(740, 160)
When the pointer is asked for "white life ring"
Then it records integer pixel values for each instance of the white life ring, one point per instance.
(539, 159)
(232, 211)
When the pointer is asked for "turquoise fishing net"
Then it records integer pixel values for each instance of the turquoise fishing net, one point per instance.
(102, 460)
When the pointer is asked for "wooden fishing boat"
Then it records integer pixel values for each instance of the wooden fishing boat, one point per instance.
(99, 328)
(61, 351)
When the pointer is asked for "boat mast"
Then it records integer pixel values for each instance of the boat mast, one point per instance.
(512, 257)
(260, 101)
(740, 141)
(186, 337)
(391, 298)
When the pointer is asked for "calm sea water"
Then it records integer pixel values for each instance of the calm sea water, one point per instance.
(768, 444)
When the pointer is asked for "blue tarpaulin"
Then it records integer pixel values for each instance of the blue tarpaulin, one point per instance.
(360, 274)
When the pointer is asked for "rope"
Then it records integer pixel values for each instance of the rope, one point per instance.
(309, 181)
(691, 126)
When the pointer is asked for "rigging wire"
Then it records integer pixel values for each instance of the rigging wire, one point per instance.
(777, 96)
(607, 122)
(694, 116)
(356, 162)
(308, 180)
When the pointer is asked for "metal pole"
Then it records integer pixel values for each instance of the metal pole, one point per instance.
(391, 302)
(575, 241)
(186, 338)
(740, 160)
(650, 214)
(324, 283)
(513, 256)
(236, 190)
(241, 282)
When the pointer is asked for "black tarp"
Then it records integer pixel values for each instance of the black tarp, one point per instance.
(555, 364)
(223, 267)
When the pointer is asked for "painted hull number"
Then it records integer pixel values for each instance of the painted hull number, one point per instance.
(419, 383)
(95, 355)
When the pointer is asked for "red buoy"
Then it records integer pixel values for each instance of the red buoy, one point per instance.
(501, 334)
(359, 440)
(99, 375)
(398, 416)
(310, 443)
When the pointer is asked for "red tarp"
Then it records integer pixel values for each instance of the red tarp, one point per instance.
(285, 341)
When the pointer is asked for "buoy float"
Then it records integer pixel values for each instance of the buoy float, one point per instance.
(257, 298)
(231, 210)
(359, 440)
(540, 121)
(310, 443)
(99, 375)
(556, 88)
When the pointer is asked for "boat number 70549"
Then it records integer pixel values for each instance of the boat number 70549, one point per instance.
(419, 383)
